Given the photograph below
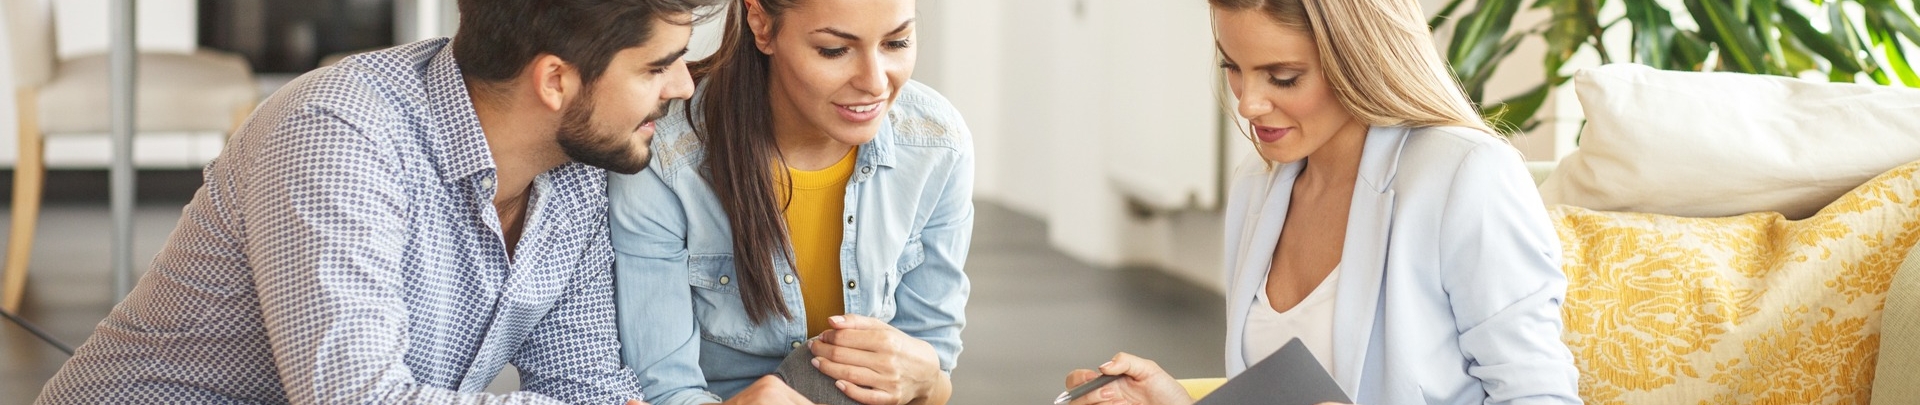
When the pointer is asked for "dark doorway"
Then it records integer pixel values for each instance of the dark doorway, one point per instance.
(291, 36)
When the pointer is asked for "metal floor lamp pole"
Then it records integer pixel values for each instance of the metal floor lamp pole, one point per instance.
(121, 60)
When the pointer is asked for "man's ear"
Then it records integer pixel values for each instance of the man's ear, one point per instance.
(555, 81)
(762, 26)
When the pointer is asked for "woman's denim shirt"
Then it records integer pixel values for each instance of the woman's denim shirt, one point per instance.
(908, 224)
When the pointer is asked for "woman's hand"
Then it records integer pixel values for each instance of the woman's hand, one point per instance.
(876, 364)
(1143, 383)
(768, 390)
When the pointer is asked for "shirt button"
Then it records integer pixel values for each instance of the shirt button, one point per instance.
(796, 344)
(486, 183)
(724, 280)
(866, 170)
(789, 279)
(849, 220)
(851, 284)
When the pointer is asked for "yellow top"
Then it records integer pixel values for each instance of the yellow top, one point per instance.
(814, 229)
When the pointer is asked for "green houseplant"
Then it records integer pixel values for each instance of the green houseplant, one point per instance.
(1854, 41)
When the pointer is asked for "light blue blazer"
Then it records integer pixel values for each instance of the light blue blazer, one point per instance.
(1451, 286)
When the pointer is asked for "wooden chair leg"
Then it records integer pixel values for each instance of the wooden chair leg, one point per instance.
(29, 177)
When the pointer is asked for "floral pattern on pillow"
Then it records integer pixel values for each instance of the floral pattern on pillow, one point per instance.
(1736, 310)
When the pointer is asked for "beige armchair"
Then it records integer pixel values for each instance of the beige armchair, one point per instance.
(204, 91)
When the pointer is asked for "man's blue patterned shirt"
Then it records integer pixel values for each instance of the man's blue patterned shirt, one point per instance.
(344, 249)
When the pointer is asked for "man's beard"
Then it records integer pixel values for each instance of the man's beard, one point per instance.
(584, 143)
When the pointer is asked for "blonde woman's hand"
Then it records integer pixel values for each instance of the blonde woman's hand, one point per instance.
(1142, 383)
(877, 364)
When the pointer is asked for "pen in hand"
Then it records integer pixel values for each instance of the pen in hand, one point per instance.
(1084, 388)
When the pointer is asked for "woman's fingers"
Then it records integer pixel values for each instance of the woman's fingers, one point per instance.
(876, 362)
(867, 395)
(1131, 366)
(849, 355)
(1081, 376)
(857, 375)
(858, 322)
(1144, 383)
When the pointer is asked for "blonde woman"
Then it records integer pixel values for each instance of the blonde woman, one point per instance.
(1385, 225)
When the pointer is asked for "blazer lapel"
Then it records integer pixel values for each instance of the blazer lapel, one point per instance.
(1260, 234)
(1364, 258)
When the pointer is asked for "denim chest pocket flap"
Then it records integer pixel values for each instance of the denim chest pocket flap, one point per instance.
(716, 300)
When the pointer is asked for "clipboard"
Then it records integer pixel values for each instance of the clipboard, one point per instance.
(1290, 376)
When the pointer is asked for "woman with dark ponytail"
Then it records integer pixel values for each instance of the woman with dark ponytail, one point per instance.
(809, 198)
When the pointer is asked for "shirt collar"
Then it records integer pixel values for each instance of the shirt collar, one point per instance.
(1380, 158)
(879, 151)
(460, 145)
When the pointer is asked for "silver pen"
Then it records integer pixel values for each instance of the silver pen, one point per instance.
(1084, 388)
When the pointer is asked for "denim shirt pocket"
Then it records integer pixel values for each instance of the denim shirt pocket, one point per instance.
(716, 300)
(912, 254)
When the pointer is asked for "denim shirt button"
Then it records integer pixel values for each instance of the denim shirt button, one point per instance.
(866, 170)
(796, 344)
(789, 279)
(849, 220)
(851, 284)
(724, 280)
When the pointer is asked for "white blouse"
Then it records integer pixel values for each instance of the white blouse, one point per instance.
(1311, 320)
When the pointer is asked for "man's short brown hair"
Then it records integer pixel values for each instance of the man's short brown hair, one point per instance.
(498, 38)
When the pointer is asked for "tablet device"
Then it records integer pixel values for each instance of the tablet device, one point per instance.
(1290, 376)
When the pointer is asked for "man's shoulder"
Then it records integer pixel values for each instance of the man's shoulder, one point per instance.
(367, 88)
(583, 187)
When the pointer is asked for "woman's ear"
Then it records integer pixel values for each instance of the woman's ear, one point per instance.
(762, 27)
(554, 80)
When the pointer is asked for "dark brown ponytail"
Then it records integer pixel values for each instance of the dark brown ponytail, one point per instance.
(737, 129)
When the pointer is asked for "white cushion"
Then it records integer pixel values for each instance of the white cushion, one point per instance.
(174, 92)
(1720, 144)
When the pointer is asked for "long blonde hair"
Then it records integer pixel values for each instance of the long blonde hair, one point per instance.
(1379, 58)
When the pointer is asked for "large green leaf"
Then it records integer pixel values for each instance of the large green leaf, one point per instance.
(1898, 58)
(1847, 35)
(1843, 60)
(1689, 50)
(1569, 30)
(1738, 46)
(1764, 28)
(1885, 35)
(1796, 57)
(1478, 37)
(1476, 84)
(1895, 19)
(1653, 33)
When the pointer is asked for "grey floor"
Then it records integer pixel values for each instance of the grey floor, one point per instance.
(1034, 312)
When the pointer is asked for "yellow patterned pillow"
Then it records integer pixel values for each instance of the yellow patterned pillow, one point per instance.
(1751, 309)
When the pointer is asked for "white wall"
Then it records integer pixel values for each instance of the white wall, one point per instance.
(1067, 98)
